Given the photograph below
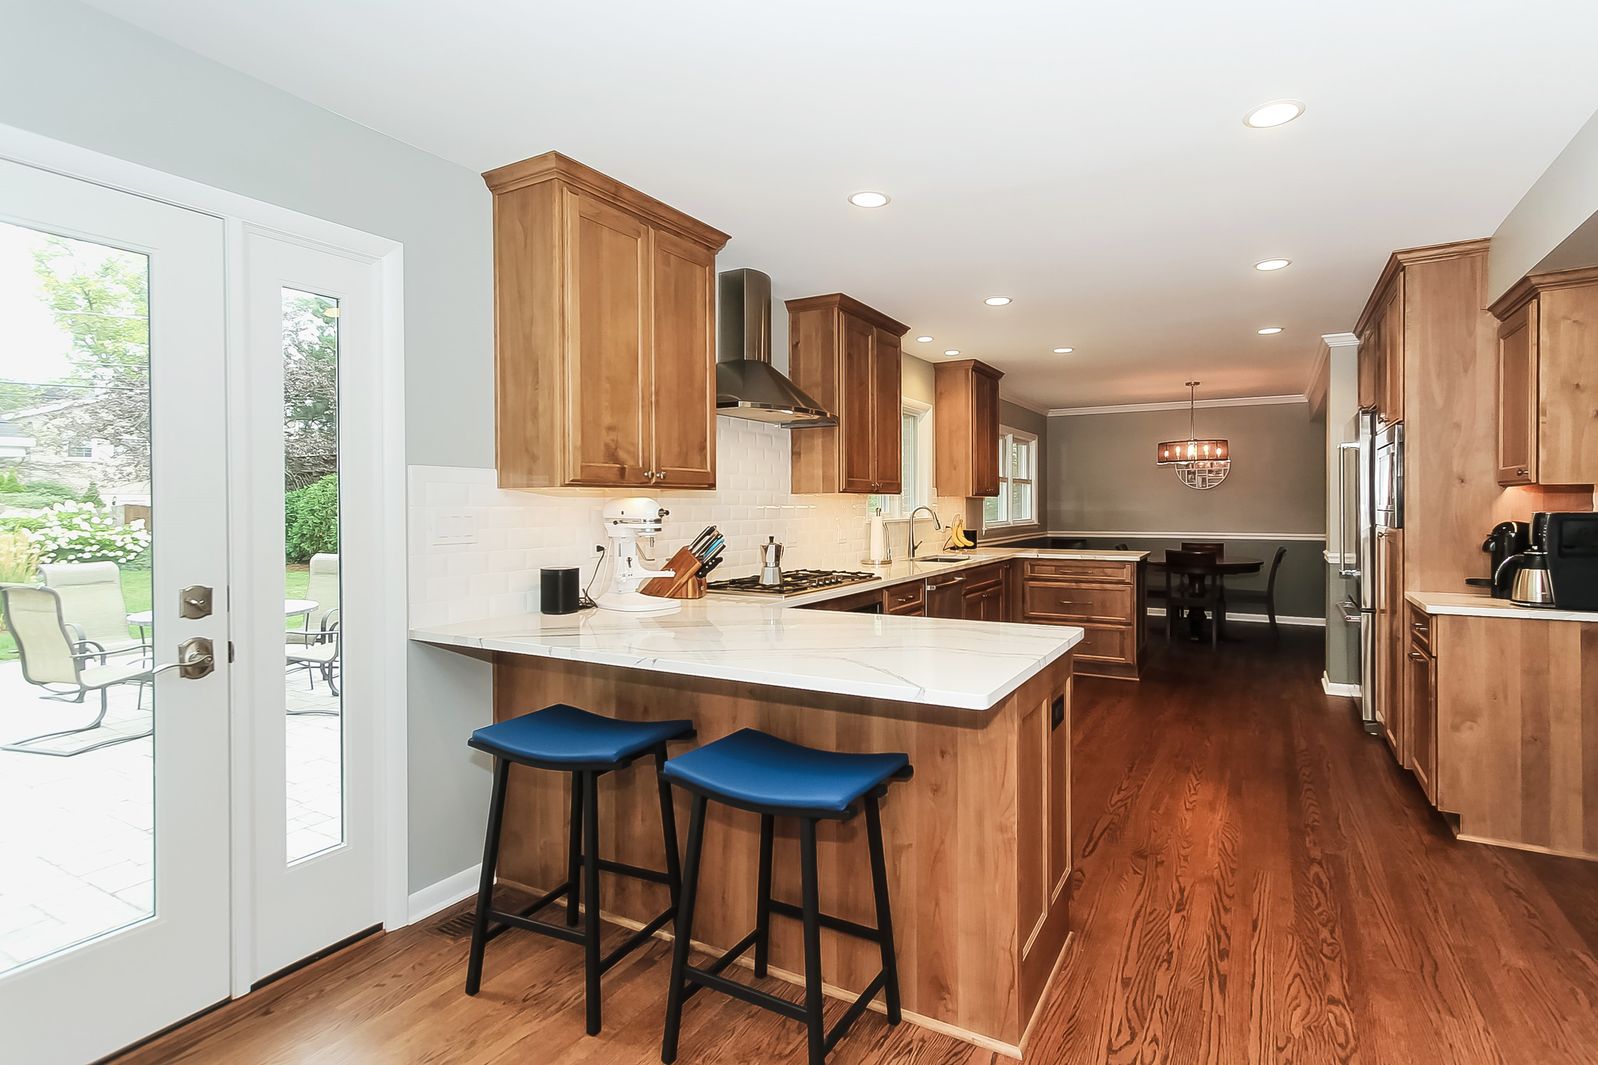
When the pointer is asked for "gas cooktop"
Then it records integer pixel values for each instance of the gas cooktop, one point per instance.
(794, 582)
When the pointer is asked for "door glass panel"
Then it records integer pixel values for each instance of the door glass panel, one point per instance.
(314, 731)
(77, 835)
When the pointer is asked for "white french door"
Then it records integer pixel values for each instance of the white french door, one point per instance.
(308, 428)
(114, 780)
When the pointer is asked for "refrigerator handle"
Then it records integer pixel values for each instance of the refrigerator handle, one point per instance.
(1344, 569)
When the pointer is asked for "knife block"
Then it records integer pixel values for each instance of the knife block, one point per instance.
(682, 584)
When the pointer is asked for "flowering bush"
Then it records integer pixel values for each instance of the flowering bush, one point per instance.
(83, 532)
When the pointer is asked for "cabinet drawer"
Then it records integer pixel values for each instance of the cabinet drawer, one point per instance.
(1108, 572)
(1106, 643)
(1077, 601)
(907, 598)
(983, 577)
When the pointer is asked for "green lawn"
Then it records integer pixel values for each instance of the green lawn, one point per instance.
(136, 594)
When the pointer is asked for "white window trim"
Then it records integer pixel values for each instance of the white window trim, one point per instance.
(924, 455)
(1004, 479)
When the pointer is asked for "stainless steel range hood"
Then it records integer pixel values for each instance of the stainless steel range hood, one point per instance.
(747, 385)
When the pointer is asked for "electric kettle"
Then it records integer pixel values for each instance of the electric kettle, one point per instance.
(771, 563)
(1527, 577)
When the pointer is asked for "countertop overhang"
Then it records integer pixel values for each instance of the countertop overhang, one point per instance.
(971, 665)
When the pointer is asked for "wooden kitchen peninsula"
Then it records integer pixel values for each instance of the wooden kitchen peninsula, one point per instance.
(978, 842)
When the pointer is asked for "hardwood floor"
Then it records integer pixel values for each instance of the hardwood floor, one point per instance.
(1257, 883)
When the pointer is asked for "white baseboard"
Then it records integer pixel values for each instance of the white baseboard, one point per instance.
(447, 892)
(1350, 691)
(1281, 619)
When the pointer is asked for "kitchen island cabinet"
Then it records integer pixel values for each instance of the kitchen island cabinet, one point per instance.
(979, 841)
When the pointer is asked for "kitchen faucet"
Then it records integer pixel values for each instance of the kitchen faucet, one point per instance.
(914, 543)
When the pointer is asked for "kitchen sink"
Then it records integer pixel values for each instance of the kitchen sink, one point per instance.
(946, 558)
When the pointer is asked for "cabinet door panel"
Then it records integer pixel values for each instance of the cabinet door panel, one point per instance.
(855, 437)
(607, 356)
(985, 435)
(1392, 329)
(1421, 698)
(1517, 397)
(887, 438)
(684, 365)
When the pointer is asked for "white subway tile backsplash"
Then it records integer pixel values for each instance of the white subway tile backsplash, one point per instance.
(518, 533)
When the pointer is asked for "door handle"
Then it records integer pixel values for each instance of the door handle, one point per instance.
(1416, 656)
(196, 659)
(194, 601)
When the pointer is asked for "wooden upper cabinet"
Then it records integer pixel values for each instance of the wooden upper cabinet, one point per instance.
(1548, 375)
(1381, 350)
(847, 356)
(1517, 396)
(604, 303)
(966, 424)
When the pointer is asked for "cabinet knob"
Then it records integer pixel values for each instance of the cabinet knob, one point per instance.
(1522, 471)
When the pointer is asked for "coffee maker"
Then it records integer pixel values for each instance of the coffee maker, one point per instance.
(1526, 574)
(1508, 539)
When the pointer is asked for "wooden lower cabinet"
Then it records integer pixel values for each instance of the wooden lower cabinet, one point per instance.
(907, 599)
(1503, 728)
(1104, 598)
(987, 593)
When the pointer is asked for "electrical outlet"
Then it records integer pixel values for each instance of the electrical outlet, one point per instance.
(454, 528)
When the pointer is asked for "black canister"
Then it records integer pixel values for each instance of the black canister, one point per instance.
(558, 590)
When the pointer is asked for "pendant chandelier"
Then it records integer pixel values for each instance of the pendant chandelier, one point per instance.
(1200, 464)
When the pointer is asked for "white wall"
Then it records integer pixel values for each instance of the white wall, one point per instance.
(1555, 206)
(75, 74)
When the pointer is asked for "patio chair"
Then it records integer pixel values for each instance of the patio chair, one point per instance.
(52, 659)
(91, 602)
(322, 588)
(316, 658)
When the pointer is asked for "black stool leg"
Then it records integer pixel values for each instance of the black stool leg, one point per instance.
(684, 932)
(668, 828)
(812, 923)
(574, 852)
(591, 897)
(763, 899)
(485, 885)
(879, 884)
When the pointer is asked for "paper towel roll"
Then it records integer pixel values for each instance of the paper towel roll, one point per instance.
(879, 539)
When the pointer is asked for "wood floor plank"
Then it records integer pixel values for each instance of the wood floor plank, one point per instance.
(1256, 881)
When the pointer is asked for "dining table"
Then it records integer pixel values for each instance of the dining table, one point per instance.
(1219, 567)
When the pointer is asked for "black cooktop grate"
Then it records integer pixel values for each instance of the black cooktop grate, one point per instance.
(794, 582)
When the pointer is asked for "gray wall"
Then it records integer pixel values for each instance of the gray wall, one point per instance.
(1553, 208)
(1102, 479)
(75, 74)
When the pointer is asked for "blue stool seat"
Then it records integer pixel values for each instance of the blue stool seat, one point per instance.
(565, 737)
(754, 769)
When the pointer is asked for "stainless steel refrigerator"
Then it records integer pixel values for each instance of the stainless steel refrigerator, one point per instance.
(1371, 496)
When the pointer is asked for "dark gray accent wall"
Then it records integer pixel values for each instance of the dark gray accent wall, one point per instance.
(1103, 483)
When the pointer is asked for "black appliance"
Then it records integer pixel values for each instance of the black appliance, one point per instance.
(1508, 539)
(794, 582)
(557, 591)
(1570, 541)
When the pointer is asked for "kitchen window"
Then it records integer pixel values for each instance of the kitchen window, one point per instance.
(915, 457)
(1016, 503)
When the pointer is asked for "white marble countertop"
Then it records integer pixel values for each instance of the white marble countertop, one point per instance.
(917, 570)
(967, 664)
(1481, 605)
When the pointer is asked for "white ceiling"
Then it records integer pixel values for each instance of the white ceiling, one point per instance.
(1087, 159)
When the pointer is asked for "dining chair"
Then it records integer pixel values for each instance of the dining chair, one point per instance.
(1214, 547)
(1268, 596)
(1191, 583)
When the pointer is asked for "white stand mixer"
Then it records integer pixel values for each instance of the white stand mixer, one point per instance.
(626, 520)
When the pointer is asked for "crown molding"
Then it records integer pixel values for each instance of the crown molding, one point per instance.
(1340, 340)
(1203, 404)
(1008, 398)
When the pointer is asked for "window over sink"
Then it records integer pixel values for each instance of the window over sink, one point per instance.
(915, 456)
(1016, 503)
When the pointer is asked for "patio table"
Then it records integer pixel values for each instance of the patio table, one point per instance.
(291, 608)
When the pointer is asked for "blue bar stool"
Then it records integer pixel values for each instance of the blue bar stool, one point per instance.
(568, 740)
(754, 771)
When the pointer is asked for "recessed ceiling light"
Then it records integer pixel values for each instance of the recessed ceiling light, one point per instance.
(1273, 264)
(923, 340)
(1270, 330)
(952, 351)
(1062, 351)
(1275, 113)
(996, 301)
(869, 199)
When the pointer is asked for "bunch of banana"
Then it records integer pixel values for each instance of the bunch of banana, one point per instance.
(957, 536)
